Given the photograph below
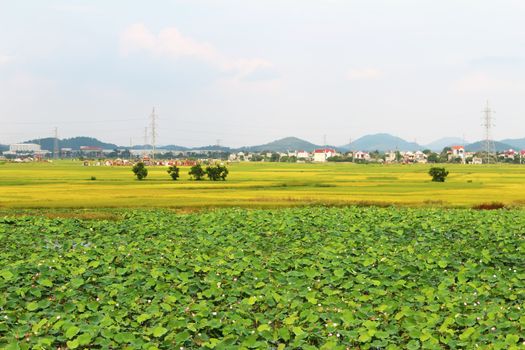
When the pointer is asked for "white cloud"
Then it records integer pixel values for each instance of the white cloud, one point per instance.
(4, 59)
(170, 42)
(74, 8)
(364, 74)
(482, 82)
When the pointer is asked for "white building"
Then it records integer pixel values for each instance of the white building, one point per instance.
(476, 160)
(321, 155)
(390, 157)
(362, 155)
(24, 148)
(420, 157)
(458, 152)
(303, 155)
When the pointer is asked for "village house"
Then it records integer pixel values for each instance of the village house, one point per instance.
(510, 154)
(408, 157)
(362, 156)
(457, 152)
(321, 155)
(390, 157)
(476, 160)
(420, 157)
(303, 155)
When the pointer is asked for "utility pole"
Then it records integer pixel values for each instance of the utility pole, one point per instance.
(55, 146)
(153, 133)
(488, 123)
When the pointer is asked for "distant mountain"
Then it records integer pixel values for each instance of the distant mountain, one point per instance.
(480, 146)
(515, 143)
(382, 142)
(75, 143)
(438, 145)
(212, 148)
(174, 148)
(283, 145)
(167, 147)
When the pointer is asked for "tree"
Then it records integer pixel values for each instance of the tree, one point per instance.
(399, 157)
(433, 157)
(140, 171)
(443, 156)
(174, 172)
(217, 172)
(196, 172)
(224, 172)
(275, 157)
(438, 174)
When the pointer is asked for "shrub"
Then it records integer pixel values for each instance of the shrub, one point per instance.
(196, 172)
(489, 206)
(438, 174)
(174, 172)
(218, 172)
(93, 178)
(140, 171)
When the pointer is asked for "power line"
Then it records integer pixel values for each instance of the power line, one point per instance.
(72, 122)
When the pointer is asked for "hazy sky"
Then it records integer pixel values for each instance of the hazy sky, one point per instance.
(248, 72)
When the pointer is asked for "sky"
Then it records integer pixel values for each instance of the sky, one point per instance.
(246, 72)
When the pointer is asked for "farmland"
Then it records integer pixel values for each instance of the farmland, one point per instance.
(67, 184)
(299, 278)
(283, 260)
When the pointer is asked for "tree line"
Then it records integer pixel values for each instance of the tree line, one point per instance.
(197, 172)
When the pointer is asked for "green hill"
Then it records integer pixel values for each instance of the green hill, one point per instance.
(480, 146)
(382, 142)
(75, 143)
(515, 143)
(283, 145)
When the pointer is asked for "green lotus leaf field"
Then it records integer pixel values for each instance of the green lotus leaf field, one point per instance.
(298, 278)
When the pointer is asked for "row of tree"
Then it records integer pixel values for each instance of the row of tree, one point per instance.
(197, 172)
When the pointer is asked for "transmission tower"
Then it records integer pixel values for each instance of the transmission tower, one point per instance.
(488, 123)
(153, 133)
(350, 146)
(55, 146)
(130, 146)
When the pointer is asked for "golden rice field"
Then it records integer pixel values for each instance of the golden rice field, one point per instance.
(67, 184)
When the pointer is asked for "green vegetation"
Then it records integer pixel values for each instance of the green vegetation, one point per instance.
(303, 278)
(140, 171)
(173, 171)
(217, 172)
(66, 184)
(438, 174)
(196, 172)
